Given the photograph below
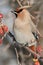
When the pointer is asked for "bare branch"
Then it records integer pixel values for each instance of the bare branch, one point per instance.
(22, 7)
(33, 17)
(17, 56)
(25, 7)
(34, 53)
(19, 3)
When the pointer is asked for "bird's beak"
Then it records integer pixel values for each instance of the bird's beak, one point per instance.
(14, 12)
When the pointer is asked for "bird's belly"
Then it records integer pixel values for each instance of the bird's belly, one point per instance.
(22, 37)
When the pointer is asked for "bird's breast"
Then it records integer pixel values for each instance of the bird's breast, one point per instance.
(22, 36)
(22, 31)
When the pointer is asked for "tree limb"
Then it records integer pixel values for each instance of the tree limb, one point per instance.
(19, 3)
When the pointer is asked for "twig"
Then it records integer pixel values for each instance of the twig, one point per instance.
(4, 35)
(21, 7)
(25, 7)
(33, 17)
(29, 50)
(19, 3)
(17, 57)
(34, 53)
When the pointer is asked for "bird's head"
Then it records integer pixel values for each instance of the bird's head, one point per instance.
(17, 11)
(21, 13)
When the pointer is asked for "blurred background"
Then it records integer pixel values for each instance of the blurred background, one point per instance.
(9, 57)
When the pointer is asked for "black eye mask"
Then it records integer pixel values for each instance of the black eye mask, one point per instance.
(19, 11)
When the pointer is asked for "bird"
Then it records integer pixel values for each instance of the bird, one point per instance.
(23, 27)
